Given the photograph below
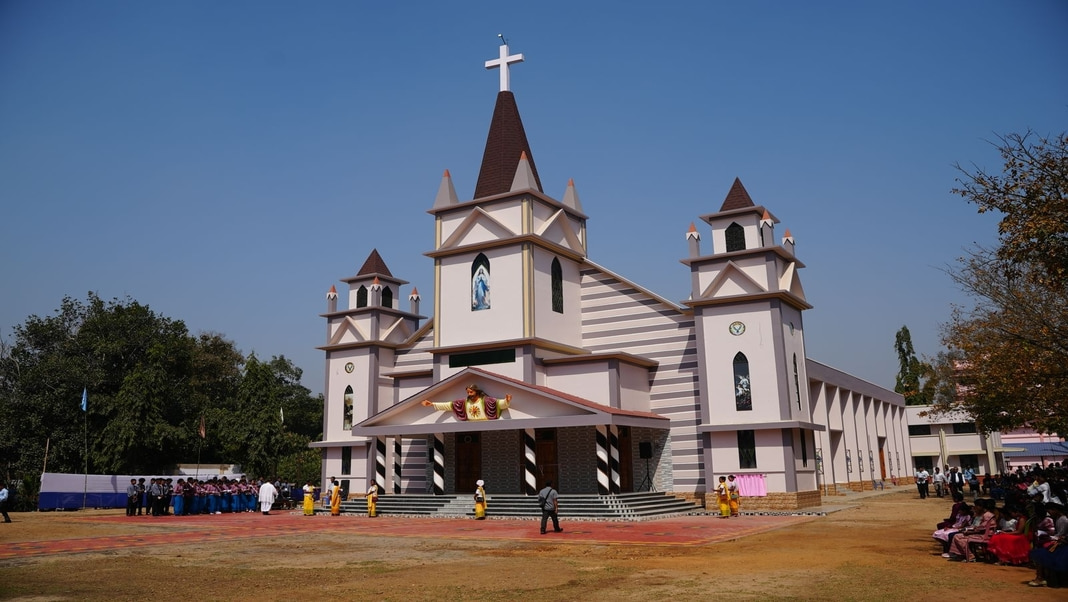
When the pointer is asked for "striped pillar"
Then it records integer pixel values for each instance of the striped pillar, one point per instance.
(396, 465)
(603, 483)
(613, 458)
(439, 464)
(530, 464)
(380, 463)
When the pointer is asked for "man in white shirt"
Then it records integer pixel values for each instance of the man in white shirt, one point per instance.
(921, 482)
(5, 497)
(939, 482)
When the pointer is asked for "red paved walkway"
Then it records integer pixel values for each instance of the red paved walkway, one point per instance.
(169, 530)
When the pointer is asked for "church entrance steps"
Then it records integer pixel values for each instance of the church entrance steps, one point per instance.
(623, 506)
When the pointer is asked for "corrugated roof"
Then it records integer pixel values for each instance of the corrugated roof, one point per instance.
(1044, 448)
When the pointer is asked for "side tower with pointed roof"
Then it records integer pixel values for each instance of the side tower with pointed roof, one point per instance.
(748, 303)
(361, 343)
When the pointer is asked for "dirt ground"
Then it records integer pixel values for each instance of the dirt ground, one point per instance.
(879, 547)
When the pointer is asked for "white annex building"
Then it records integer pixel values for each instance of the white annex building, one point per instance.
(613, 388)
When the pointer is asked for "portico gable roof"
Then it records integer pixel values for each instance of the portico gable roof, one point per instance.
(532, 406)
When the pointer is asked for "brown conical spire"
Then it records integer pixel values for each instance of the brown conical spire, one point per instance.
(374, 265)
(737, 198)
(505, 144)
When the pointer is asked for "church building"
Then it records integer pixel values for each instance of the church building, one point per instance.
(534, 362)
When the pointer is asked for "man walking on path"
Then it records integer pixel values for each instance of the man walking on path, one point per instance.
(939, 481)
(5, 497)
(548, 501)
(921, 482)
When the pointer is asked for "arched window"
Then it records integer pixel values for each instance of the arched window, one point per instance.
(361, 296)
(743, 395)
(480, 283)
(735, 237)
(347, 421)
(557, 277)
(387, 297)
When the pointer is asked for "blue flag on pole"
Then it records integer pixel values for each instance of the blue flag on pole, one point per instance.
(85, 399)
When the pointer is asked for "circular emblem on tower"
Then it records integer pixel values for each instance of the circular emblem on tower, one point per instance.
(349, 367)
(736, 328)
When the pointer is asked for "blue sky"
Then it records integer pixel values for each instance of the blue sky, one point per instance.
(225, 163)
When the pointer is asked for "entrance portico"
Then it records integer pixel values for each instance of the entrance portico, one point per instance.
(582, 446)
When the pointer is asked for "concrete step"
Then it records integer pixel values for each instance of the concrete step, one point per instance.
(624, 506)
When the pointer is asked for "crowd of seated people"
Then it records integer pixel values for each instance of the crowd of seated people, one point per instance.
(1021, 523)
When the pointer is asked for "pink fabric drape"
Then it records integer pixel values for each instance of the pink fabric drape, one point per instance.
(752, 485)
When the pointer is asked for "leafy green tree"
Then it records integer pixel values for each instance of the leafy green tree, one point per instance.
(271, 402)
(1031, 194)
(1011, 347)
(149, 383)
(911, 370)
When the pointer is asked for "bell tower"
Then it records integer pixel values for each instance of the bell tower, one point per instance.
(507, 262)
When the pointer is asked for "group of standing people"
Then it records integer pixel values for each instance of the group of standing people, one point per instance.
(337, 495)
(158, 496)
(727, 497)
(947, 482)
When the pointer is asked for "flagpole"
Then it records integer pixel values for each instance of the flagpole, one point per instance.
(84, 422)
(44, 467)
(203, 432)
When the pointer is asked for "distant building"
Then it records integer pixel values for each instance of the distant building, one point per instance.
(614, 388)
(953, 439)
(1031, 448)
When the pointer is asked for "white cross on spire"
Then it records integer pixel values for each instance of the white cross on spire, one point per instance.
(503, 62)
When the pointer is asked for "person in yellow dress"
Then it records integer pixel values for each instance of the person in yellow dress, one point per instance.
(335, 497)
(732, 491)
(309, 499)
(480, 500)
(372, 500)
(476, 406)
(723, 497)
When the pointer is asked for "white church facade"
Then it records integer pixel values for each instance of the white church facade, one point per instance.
(592, 381)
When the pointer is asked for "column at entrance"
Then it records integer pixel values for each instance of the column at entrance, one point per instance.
(380, 463)
(530, 464)
(396, 464)
(609, 475)
(439, 464)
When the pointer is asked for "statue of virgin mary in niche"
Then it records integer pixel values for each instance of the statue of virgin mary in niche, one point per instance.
(480, 289)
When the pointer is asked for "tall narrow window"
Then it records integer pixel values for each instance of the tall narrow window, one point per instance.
(747, 449)
(346, 460)
(347, 420)
(797, 384)
(556, 274)
(387, 297)
(735, 237)
(480, 283)
(361, 296)
(804, 448)
(743, 395)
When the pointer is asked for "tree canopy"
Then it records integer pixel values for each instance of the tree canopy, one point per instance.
(149, 384)
(1010, 349)
(911, 370)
